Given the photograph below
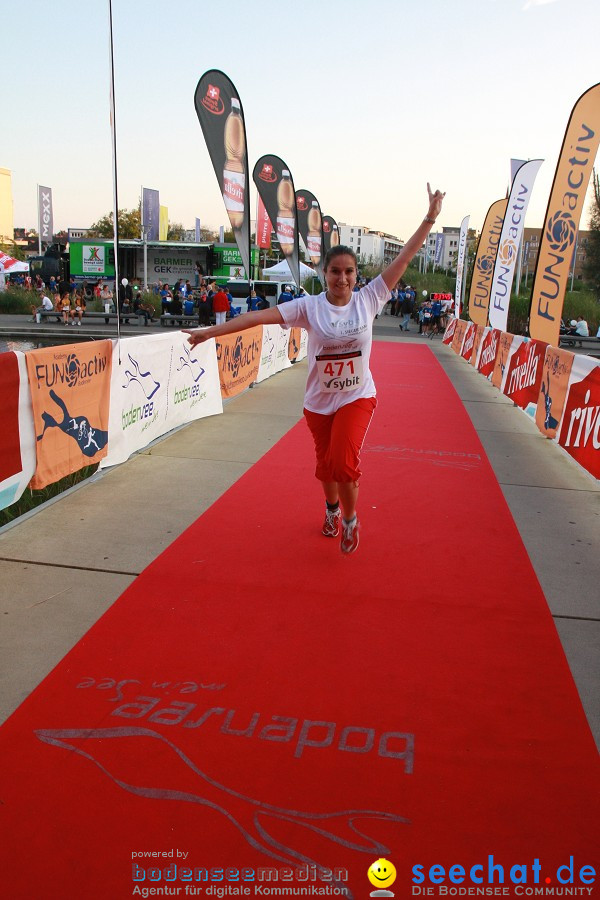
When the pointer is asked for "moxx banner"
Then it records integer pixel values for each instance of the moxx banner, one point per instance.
(483, 269)
(276, 188)
(563, 214)
(510, 240)
(70, 390)
(310, 226)
(221, 116)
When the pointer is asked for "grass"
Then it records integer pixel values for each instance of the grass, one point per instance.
(32, 499)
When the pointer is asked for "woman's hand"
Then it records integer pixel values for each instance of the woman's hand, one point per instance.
(435, 202)
(198, 335)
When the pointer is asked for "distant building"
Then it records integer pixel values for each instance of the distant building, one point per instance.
(449, 250)
(531, 248)
(373, 247)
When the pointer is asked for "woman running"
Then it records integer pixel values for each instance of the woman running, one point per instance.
(339, 400)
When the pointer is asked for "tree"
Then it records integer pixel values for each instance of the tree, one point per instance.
(176, 232)
(591, 267)
(130, 225)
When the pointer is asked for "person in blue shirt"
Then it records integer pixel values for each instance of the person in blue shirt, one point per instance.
(286, 295)
(436, 310)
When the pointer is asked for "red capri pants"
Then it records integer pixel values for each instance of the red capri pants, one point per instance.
(339, 438)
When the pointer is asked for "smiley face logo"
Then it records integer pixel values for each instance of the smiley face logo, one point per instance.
(382, 873)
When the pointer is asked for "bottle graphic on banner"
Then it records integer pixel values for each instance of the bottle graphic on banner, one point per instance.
(335, 236)
(314, 234)
(234, 174)
(285, 214)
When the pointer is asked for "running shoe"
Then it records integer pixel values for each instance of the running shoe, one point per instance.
(331, 525)
(350, 536)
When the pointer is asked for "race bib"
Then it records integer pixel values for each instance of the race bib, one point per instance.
(340, 371)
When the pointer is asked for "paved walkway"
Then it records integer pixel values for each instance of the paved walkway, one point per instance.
(65, 565)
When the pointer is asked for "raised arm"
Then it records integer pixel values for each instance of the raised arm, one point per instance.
(270, 316)
(396, 269)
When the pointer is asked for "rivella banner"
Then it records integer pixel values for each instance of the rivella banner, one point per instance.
(263, 225)
(460, 264)
(310, 225)
(485, 258)
(160, 384)
(17, 448)
(221, 116)
(70, 390)
(275, 185)
(563, 214)
(331, 235)
(510, 241)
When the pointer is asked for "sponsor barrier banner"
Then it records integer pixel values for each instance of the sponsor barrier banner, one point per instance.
(238, 356)
(151, 213)
(468, 341)
(161, 384)
(449, 332)
(579, 432)
(480, 331)
(523, 378)
(310, 226)
(459, 335)
(274, 353)
(221, 116)
(506, 342)
(331, 235)
(460, 264)
(294, 344)
(275, 186)
(510, 241)
(483, 269)
(303, 352)
(488, 352)
(70, 390)
(263, 225)
(17, 448)
(553, 390)
(46, 219)
(561, 222)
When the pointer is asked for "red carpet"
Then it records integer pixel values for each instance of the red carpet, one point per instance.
(281, 705)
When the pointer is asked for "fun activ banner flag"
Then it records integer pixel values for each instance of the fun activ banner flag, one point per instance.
(17, 447)
(510, 241)
(483, 269)
(160, 384)
(263, 225)
(70, 391)
(310, 225)
(460, 264)
(239, 358)
(275, 185)
(151, 213)
(331, 235)
(221, 116)
(45, 214)
(561, 222)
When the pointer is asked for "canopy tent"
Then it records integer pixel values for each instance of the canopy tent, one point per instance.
(8, 265)
(281, 272)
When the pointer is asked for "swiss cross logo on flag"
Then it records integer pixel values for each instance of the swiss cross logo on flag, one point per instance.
(301, 202)
(212, 100)
(267, 173)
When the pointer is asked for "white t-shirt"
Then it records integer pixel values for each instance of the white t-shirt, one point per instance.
(339, 345)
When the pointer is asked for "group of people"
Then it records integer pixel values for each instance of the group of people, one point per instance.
(70, 306)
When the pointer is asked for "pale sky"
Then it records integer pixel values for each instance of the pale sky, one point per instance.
(365, 102)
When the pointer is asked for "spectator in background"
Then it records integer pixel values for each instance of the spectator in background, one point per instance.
(52, 285)
(286, 295)
(406, 309)
(47, 306)
(79, 303)
(64, 305)
(165, 298)
(251, 302)
(581, 327)
(188, 305)
(220, 305)
(204, 306)
(262, 302)
(141, 308)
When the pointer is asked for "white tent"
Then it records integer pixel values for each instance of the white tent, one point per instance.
(281, 272)
(8, 265)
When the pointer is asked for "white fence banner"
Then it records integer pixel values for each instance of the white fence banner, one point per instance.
(510, 240)
(161, 383)
(274, 353)
(303, 346)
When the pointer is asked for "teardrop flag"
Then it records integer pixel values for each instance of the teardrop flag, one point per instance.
(275, 185)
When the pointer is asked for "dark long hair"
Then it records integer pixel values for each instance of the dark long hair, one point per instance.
(339, 250)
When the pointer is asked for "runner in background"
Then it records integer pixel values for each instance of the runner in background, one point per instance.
(340, 395)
